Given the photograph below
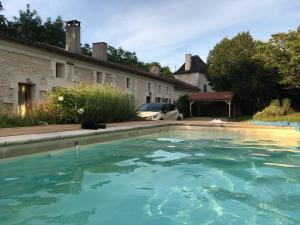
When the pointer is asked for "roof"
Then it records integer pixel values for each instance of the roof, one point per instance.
(130, 69)
(212, 96)
(197, 66)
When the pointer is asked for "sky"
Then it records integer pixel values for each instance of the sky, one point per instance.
(165, 30)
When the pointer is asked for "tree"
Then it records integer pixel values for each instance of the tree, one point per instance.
(233, 67)
(28, 25)
(3, 27)
(282, 52)
(55, 32)
(164, 70)
(122, 56)
(86, 49)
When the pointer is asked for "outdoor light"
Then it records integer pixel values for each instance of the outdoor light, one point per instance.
(80, 111)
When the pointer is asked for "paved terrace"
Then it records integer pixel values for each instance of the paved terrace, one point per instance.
(35, 132)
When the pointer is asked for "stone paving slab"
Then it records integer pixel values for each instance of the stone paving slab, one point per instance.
(5, 132)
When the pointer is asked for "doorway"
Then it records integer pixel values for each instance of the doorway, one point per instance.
(148, 99)
(24, 98)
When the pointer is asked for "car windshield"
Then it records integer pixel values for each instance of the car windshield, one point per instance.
(151, 107)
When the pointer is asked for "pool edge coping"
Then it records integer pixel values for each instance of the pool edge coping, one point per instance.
(69, 135)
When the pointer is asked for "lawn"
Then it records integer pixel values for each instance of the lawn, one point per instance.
(292, 117)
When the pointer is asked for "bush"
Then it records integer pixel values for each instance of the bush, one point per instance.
(41, 114)
(286, 106)
(74, 105)
(12, 120)
(97, 103)
(183, 105)
(274, 109)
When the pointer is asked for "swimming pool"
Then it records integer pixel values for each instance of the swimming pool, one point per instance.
(194, 176)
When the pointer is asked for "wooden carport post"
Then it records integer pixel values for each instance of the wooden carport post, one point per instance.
(229, 107)
(191, 104)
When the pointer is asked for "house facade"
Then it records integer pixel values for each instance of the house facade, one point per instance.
(28, 70)
(193, 72)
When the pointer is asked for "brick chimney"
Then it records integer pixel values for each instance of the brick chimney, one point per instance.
(73, 36)
(188, 62)
(100, 51)
(155, 69)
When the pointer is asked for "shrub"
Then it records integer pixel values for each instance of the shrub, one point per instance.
(42, 114)
(183, 105)
(76, 104)
(98, 103)
(274, 109)
(286, 105)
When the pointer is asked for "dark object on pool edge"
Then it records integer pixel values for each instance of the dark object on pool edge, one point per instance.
(90, 124)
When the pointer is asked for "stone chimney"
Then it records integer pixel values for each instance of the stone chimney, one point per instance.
(100, 51)
(73, 36)
(155, 69)
(188, 62)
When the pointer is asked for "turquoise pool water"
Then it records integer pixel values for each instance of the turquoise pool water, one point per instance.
(176, 177)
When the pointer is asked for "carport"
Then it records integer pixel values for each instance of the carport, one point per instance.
(225, 96)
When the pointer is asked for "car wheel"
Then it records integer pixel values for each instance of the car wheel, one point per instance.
(161, 119)
(178, 118)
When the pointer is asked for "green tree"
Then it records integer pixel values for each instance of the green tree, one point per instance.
(119, 55)
(282, 52)
(54, 32)
(86, 49)
(28, 25)
(233, 67)
(164, 70)
(3, 27)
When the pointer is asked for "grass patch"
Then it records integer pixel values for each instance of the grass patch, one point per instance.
(292, 117)
(100, 104)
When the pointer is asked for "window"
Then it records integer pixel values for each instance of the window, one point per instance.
(109, 78)
(157, 99)
(159, 88)
(204, 88)
(149, 87)
(60, 70)
(152, 107)
(166, 108)
(148, 99)
(172, 107)
(43, 94)
(99, 78)
(128, 83)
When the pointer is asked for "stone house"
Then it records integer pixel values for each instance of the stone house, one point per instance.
(193, 72)
(28, 70)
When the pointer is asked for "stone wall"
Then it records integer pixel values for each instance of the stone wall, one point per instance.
(23, 64)
(196, 79)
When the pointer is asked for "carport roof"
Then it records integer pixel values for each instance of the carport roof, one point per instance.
(212, 96)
